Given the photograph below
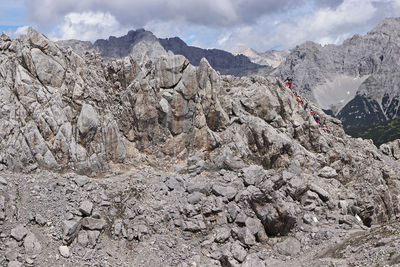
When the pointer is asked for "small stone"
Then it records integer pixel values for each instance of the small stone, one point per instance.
(19, 232)
(70, 230)
(83, 238)
(3, 181)
(195, 198)
(81, 180)
(40, 220)
(238, 252)
(86, 207)
(328, 172)
(233, 210)
(64, 251)
(289, 247)
(308, 218)
(226, 260)
(69, 216)
(241, 218)
(309, 198)
(253, 175)
(323, 195)
(245, 236)
(93, 224)
(174, 184)
(192, 226)
(14, 264)
(93, 236)
(31, 244)
(253, 224)
(201, 187)
(118, 227)
(222, 235)
(226, 191)
(253, 260)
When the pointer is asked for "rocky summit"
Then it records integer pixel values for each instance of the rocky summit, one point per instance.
(162, 163)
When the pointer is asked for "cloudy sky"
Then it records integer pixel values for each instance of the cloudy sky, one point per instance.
(225, 24)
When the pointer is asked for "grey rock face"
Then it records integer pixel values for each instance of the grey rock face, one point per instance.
(104, 114)
(88, 121)
(357, 80)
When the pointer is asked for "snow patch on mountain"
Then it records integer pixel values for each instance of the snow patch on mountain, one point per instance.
(337, 92)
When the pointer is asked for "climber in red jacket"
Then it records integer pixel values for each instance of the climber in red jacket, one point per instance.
(289, 83)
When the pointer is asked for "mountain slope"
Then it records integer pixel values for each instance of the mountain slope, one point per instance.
(220, 60)
(363, 67)
(380, 133)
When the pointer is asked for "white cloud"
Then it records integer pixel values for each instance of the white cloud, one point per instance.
(223, 39)
(89, 26)
(140, 12)
(324, 25)
(18, 32)
(21, 30)
(260, 24)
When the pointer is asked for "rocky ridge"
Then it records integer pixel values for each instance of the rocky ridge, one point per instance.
(143, 45)
(164, 163)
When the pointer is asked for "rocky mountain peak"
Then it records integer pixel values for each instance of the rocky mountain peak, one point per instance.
(351, 79)
(389, 26)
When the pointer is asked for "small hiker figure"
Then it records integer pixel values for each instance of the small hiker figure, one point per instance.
(306, 106)
(289, 83)
(299, 99)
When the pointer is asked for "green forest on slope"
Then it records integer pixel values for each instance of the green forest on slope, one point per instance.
(379, 133)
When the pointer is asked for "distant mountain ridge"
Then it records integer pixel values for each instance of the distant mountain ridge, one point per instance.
(142, 45)
(271, 58)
